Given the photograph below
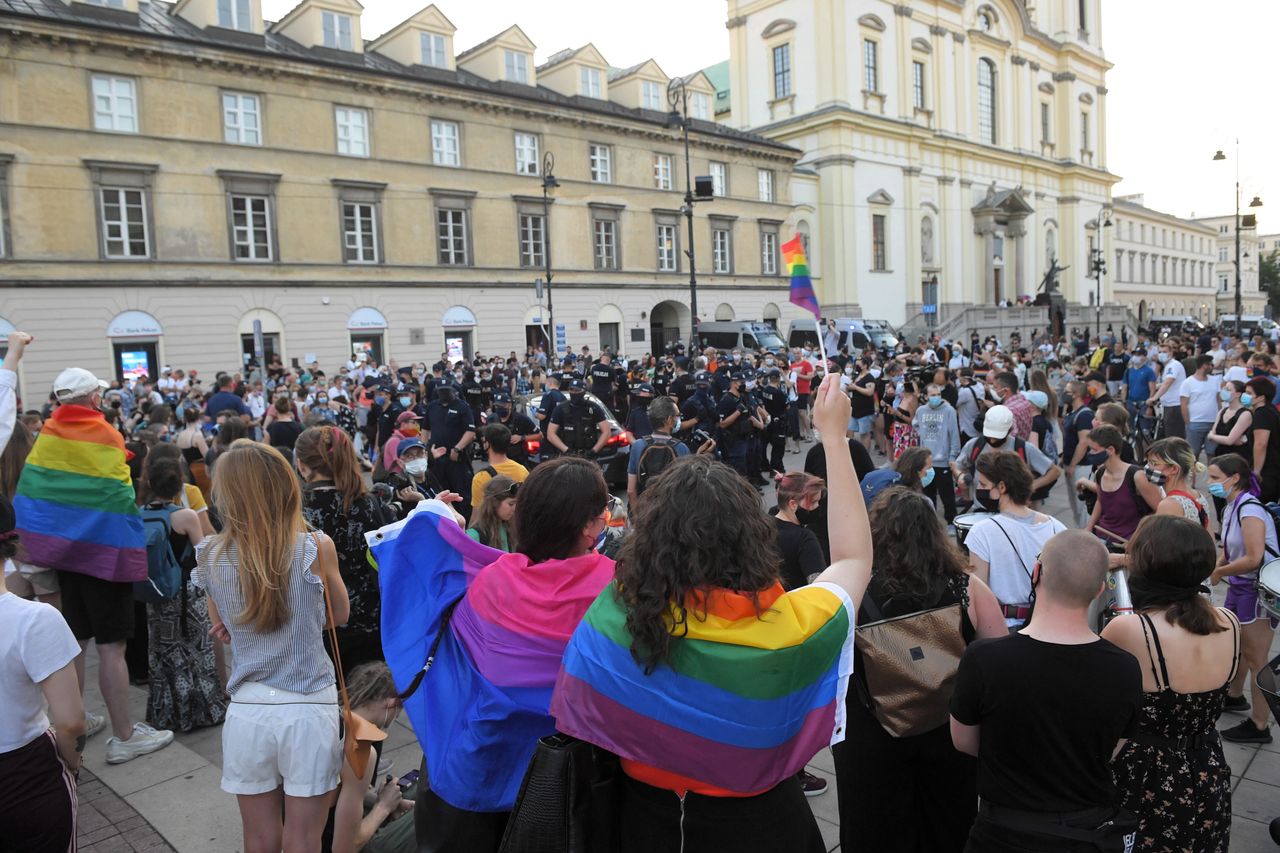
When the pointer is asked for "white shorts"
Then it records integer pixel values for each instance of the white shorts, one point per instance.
(273, 736)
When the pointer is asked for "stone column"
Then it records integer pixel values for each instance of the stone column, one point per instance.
(1017, 234)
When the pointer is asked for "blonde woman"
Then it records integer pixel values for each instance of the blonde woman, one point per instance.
(491, 522)
(266, 576)
(1171, 466)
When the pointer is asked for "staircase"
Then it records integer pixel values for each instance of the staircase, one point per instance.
(956, 321)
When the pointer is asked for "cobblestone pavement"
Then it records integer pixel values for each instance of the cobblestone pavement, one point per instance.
(108, 824)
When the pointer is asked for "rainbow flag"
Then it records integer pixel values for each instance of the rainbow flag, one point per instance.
(479, 712)
(744, 702)
(75, 503)
(798, 268)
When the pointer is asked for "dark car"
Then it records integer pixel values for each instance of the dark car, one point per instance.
(613, 456)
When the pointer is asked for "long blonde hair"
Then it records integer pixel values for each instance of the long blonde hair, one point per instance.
(257, 496)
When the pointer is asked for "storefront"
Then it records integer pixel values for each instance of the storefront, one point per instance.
(459, 326)
(135, 345)
(367, 328)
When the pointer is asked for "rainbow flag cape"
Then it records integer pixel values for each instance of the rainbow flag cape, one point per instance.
(798, 268)
(483, 705)
(744, 701)
(75, 503)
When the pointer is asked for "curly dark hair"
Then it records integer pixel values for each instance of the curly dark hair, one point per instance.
(912, 552)
(700, 526)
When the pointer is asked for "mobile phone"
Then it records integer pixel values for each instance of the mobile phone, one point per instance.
(409, 778)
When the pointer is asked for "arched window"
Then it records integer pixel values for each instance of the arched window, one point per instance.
(987, 101)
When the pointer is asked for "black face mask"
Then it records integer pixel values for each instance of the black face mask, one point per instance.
(1156, 478)
(997, 442)
(986, 500)
(577, 398)
(446, 395)
(501, 411)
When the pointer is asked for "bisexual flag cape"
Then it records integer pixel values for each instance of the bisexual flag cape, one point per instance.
(74, 502)
(744, 701)
(480, 710)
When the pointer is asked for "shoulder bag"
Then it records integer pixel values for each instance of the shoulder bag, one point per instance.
(568, 802)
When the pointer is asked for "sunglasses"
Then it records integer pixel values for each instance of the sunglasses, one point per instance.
(511, 492)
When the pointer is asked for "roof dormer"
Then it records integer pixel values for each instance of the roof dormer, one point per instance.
(118, 5)
(424, 39)
(576, 72)
(240, 15)
(331, 24)
(642, 86)
(702, 95)
(507, 56)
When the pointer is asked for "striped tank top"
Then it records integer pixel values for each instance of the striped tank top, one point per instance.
(290, 658)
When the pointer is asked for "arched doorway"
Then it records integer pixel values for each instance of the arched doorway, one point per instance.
(1142, 311)
(771, 314)
(668, 324)
(263, 342)
(610, 323)
(724, 311)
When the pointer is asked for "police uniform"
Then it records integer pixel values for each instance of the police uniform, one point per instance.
(775, 403)
(602, 378)
(448, 423)
(551, 398)
(735, 438)
(699, 413)
(520, 424)
(577, 424)
(638, 418)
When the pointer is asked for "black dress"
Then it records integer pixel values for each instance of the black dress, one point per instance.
(910, 794)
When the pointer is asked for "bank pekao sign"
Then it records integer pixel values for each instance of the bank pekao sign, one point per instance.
(134, 324)
(366, 320)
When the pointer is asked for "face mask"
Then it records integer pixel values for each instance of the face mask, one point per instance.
(769, 362)
(935, 402)
(1164, 357)
(875, 373)
(737, 356)
(320, 400)
(927, 479)
(1224, 395)
(1094, 459)
(986, 500)
(502, 411)
(379, 401)
(1246, 399)
(445, 395)
(577, 398)
(997, 442)
(1218, 490)
(458, 376)
(1156, 478)
(416, 468)
(848, 371)
(406, 402)
(751, 385)
(676, 428)
(804, 353)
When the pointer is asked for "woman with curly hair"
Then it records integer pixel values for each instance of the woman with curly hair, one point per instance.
(913, 793)
(713, 684)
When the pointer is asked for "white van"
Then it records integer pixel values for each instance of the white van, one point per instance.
(855, 332)
(728, 335)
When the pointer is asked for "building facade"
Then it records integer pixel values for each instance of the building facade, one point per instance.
(1252, 299)
(1162, 266)
(187, 183)
(959, 147)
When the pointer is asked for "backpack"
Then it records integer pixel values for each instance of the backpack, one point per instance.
(1144, 509)
(659, 452)
(1019, 447)
(164, 571)
(1273, 510)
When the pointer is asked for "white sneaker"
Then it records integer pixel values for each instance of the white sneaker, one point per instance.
(93, 724)
(144, 740)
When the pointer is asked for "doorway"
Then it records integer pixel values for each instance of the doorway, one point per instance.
(458, 344)
(132, 359)
(370, 343)
(270, 348)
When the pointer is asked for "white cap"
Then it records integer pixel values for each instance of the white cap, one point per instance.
(998, 422)
(76, 382)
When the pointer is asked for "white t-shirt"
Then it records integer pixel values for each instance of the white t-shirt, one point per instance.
(1237, 373)
(35, 642)
(1173, 396)
(967, 406)
(1202, 398)
(1010, 569)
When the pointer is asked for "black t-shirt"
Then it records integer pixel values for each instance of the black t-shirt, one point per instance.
(800, 551)
(815, 462)
(681, 388)
(1267, 418)
(284, 433)
(1116, 363)
(1051, 716)
(601, 379)
(860, 404)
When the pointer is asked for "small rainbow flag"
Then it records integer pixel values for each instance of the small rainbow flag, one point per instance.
(75, 503)
(798, 268)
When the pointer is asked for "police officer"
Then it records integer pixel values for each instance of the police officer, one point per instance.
(737, 421)
(578, 426)
(681, 386)
(722, 377)
(698, 418)
(774, 400)
(757, 462)
(602, 379)
(521, 426)
(552, 397)
(452, 425)
(638, 418)
(473, 391)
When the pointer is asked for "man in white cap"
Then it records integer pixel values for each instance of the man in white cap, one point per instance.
(997, 434)
(76, 513)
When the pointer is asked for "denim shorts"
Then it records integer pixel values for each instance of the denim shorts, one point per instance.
(862, 425)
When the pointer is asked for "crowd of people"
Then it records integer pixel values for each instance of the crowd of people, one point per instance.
(240, 548)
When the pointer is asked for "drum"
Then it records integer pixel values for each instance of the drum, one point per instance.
(964, 523)
(1269, 588)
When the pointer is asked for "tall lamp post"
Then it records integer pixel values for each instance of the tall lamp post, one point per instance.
(678, 98)
(1098, 262)
(549, 183)
(1257, 202)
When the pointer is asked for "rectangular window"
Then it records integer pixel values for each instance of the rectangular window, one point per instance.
(917, 85)
(124, 222)
(251, 227)
(110, 4)
(517, 67)
(721, 251)
(720, 179)
(337, 30)
(232, 15)
(601, 165)
(451, 234)
(768, 253)
(115, 104)
(878, 254)
(433, 51)
(650, 95)
(359, 233)
(701, 106)
(353, 131)
(782, 71)
(1084, 132)
(1044, 127)
(1222, 255)
(668, 260)
(1222, 280)
(764, 180)
(605, 237)
(445, 149)
(870, 65)
(526, 154)
(241, 119)
(589, 80)
(662, 171)
(532, 240)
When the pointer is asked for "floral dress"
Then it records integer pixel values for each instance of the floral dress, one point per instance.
(1173, 774)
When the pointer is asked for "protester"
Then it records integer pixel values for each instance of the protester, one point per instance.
(1199, 402)
(1044, 710)
(1231, 431)
(914, 793)
(497, 439)
(686, 783)
(24, 580)
(1125, 494)
(491, 520)
(1172, 773)
(267, 579)
(408, 425)
(815, 463)
(1264, 438)
(450, 428)
(997, 435)
(916, 470)
(1171, 467)
(650, 456)
(939, 432)
(801, 553)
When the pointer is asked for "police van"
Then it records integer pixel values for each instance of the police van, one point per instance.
(728, 335)
(857, 333)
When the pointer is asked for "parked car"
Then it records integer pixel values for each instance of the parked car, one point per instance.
(613, 456)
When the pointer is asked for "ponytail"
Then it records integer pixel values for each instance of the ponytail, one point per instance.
(327, 451)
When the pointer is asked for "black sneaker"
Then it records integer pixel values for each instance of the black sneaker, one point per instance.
(1236, 704)
(812, 786)
(1246, 732)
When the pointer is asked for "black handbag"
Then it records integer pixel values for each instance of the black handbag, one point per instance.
(568, 800)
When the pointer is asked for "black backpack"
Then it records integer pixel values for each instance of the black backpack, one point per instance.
(658, 454)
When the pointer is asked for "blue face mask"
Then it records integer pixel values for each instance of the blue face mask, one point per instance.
(935, 402)
(1224, 395)
(1246, 399)
(927, 479)
(1218, 490)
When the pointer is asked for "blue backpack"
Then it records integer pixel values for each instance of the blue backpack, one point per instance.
(164, 571)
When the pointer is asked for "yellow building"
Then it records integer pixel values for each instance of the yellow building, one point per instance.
(1253, 301)
(1163, 265)
(173, 176)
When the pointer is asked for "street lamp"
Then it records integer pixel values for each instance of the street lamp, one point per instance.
(678, 96)
(1257, 202)
(549, 183)
(1098, 261)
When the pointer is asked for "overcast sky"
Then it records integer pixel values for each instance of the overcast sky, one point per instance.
(1190, 76)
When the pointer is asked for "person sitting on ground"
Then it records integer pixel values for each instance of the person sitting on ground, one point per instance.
(491, 522)
(497, 440)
